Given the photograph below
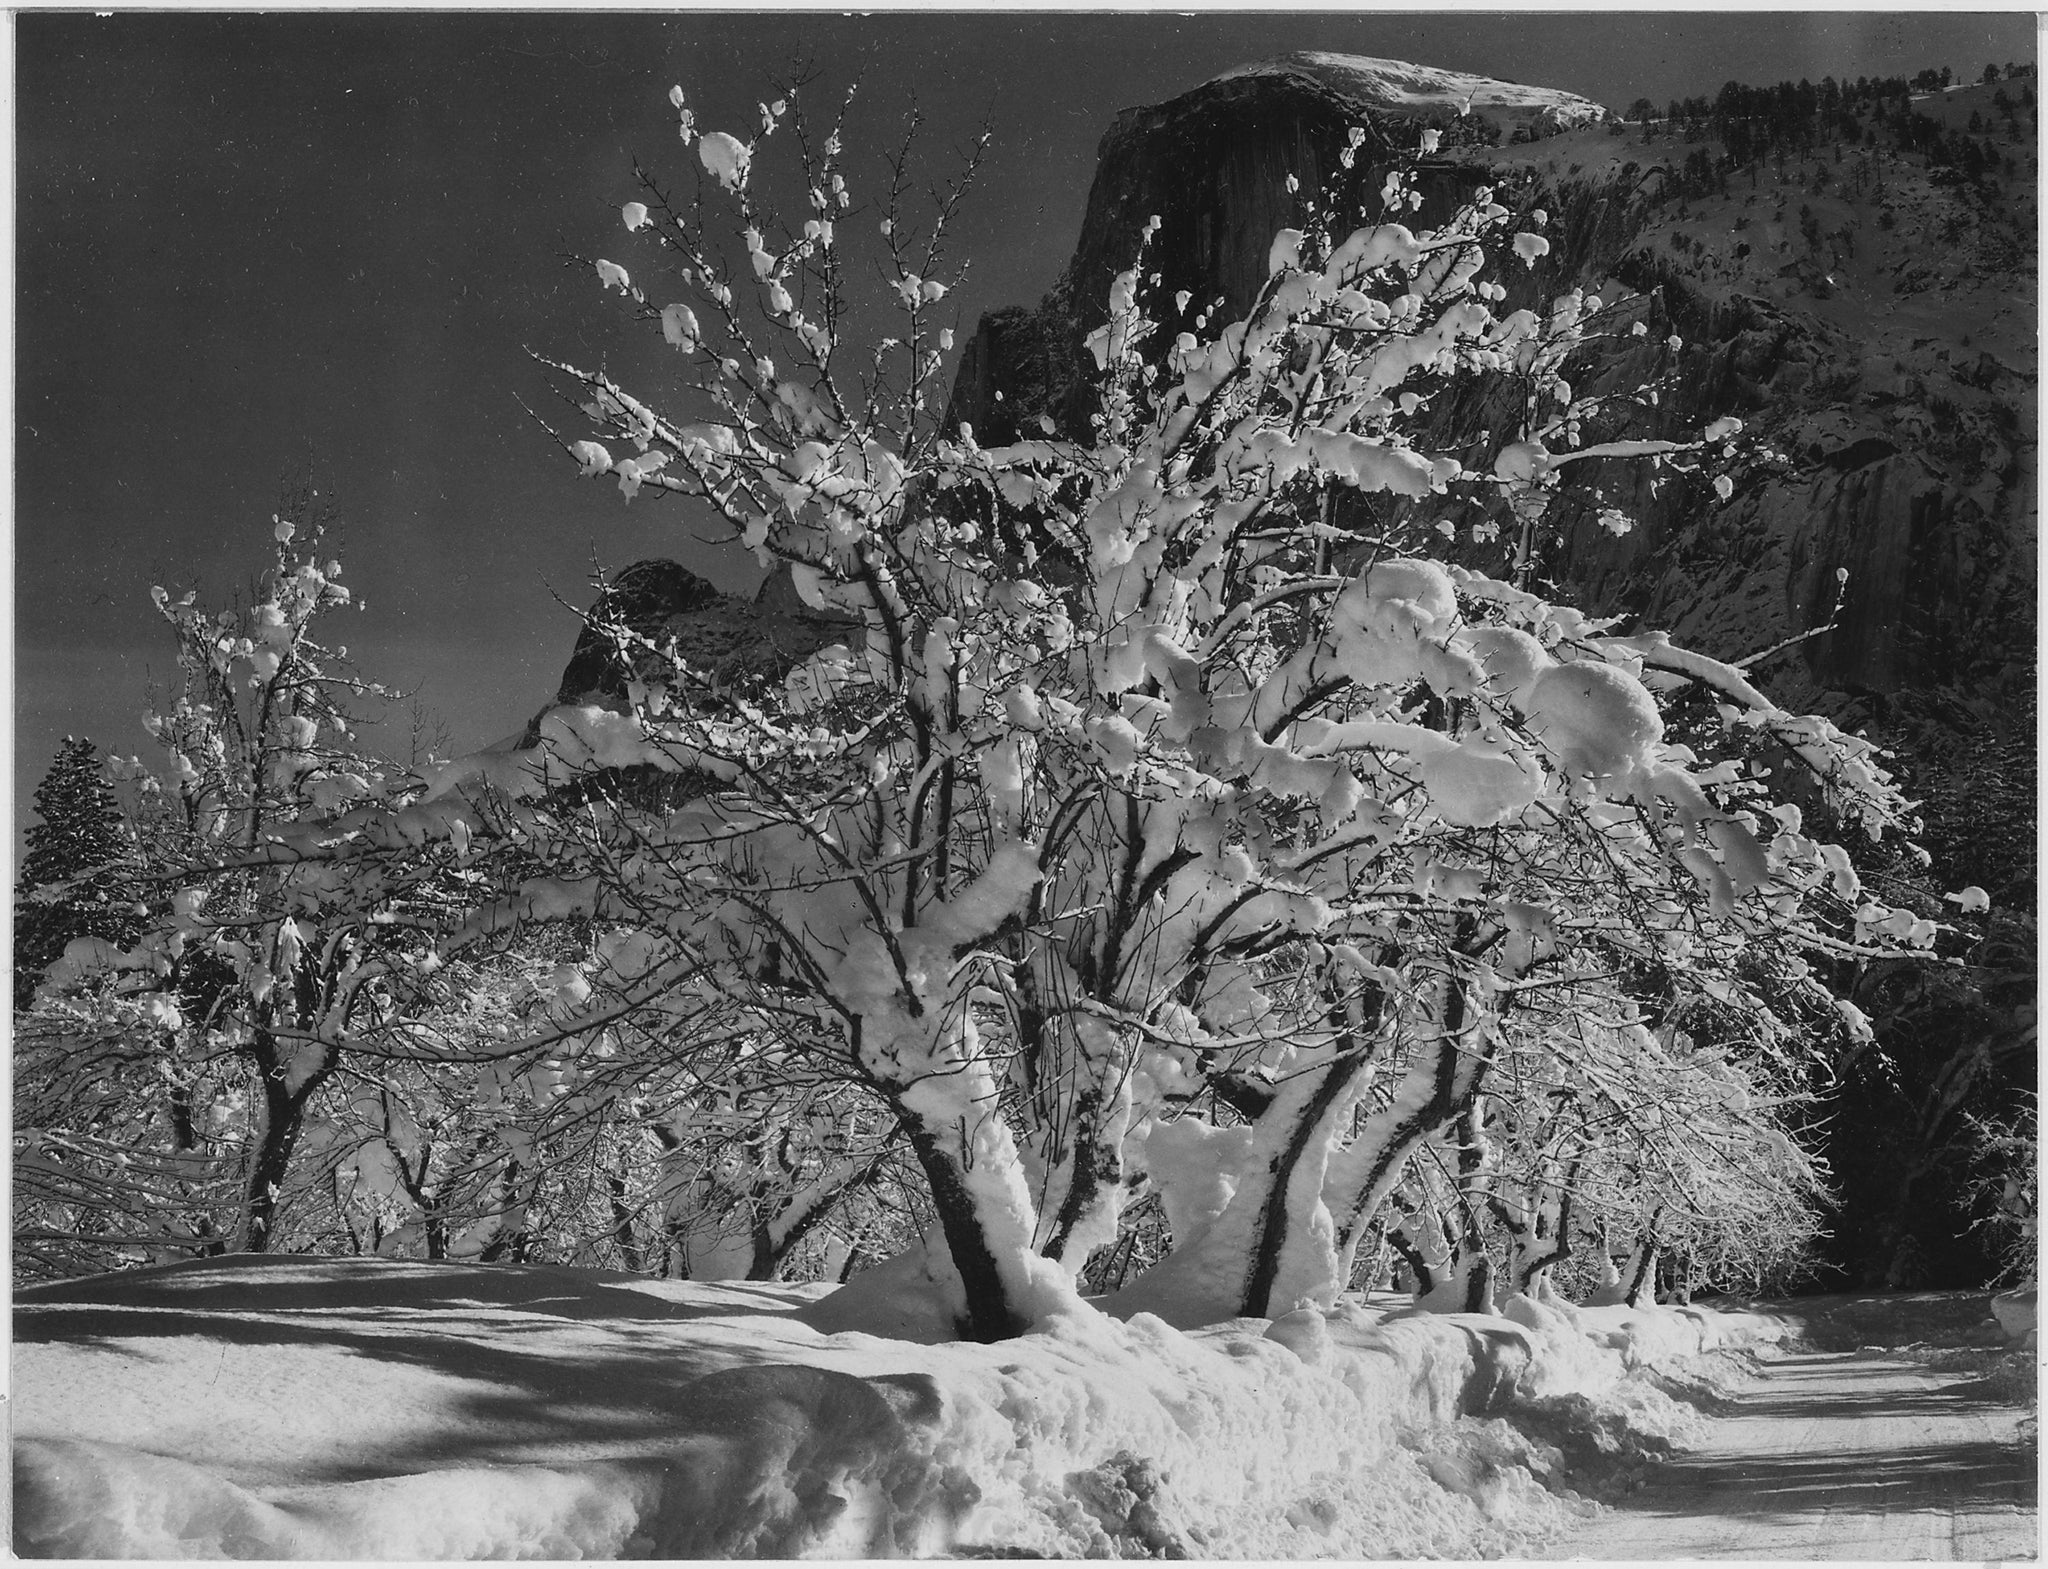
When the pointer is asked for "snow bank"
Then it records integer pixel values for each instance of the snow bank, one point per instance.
(87, 1500)
(2016, 1312)
(557, 1413)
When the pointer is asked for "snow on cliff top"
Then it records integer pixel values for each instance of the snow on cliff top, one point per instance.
(1400, 86)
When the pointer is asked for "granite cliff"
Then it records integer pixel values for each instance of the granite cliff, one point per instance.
(727, 639)
(1889, 358)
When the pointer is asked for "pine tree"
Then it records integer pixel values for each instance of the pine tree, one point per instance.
(81, 830)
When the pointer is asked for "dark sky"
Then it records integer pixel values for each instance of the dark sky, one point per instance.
(244, 242)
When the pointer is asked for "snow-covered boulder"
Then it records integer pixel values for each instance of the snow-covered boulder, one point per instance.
(2015, 1312)
(900, 1299)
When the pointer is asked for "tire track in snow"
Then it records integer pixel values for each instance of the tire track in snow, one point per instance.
(1837, 1455)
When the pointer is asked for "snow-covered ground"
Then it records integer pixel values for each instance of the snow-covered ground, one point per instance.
(350, 1409)
(1902, 1426)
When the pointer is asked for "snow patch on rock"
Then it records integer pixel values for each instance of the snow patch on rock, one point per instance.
(1403, 87)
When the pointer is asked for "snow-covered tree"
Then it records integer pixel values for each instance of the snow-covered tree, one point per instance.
(558, 1091)
(124, 1152)
(1593, 1128)
(253, 943)
(72, 879)
(1162, 824)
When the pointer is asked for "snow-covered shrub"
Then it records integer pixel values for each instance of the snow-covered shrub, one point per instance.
(247, 975)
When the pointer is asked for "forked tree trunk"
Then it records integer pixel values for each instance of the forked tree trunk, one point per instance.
(1273, 1245)
(1293, 1184)
(1441, 1081)
(801, 1213)
(1453, 1272)
(1290, 1230)
(624, 1237)
(983, 1205)
(989, 1312)
(1541, 1237)
(1627, 1285)
(1548, 1244)
(1084, 1187)
(284, 1116)
(511, 1242)
(1084, 1183)
(433, 1216)
(1466, 1287)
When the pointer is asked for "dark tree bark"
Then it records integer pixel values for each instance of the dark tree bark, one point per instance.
(284, 1115)
(990, 1315)
(622, 1227)
(1413, 1256)
(1309, 1131)
(513, 1246)
(1456, 1075)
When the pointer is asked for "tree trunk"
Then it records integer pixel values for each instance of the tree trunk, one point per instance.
(1420, 1267)
(1541, 1235)
(1642, 1274)
(512, 1241)
(766, 1257)
(947, 1108)
(1274, 1243)
(282, 1117)
(1549, 1245)
(622, 1227)
(1075, 1071)
(990, 1311)
(284, 1114)
(1293, 1184)
(1087, 1176)
(776, 1238)
(1465, 1287)
(184, 1136)
(675, 1250)
(433, 1219)
(1441, 1081)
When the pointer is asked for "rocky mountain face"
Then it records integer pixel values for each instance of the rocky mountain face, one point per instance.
(665, 608)
(1215, 166)
(1867, 311)
(1907, 437)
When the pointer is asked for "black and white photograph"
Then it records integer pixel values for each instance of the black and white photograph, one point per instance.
(1098, 783)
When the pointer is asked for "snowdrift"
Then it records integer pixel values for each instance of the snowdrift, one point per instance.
(364, 1409)
(2016, 1312)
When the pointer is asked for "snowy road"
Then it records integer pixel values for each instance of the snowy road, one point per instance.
(1829, 1455)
